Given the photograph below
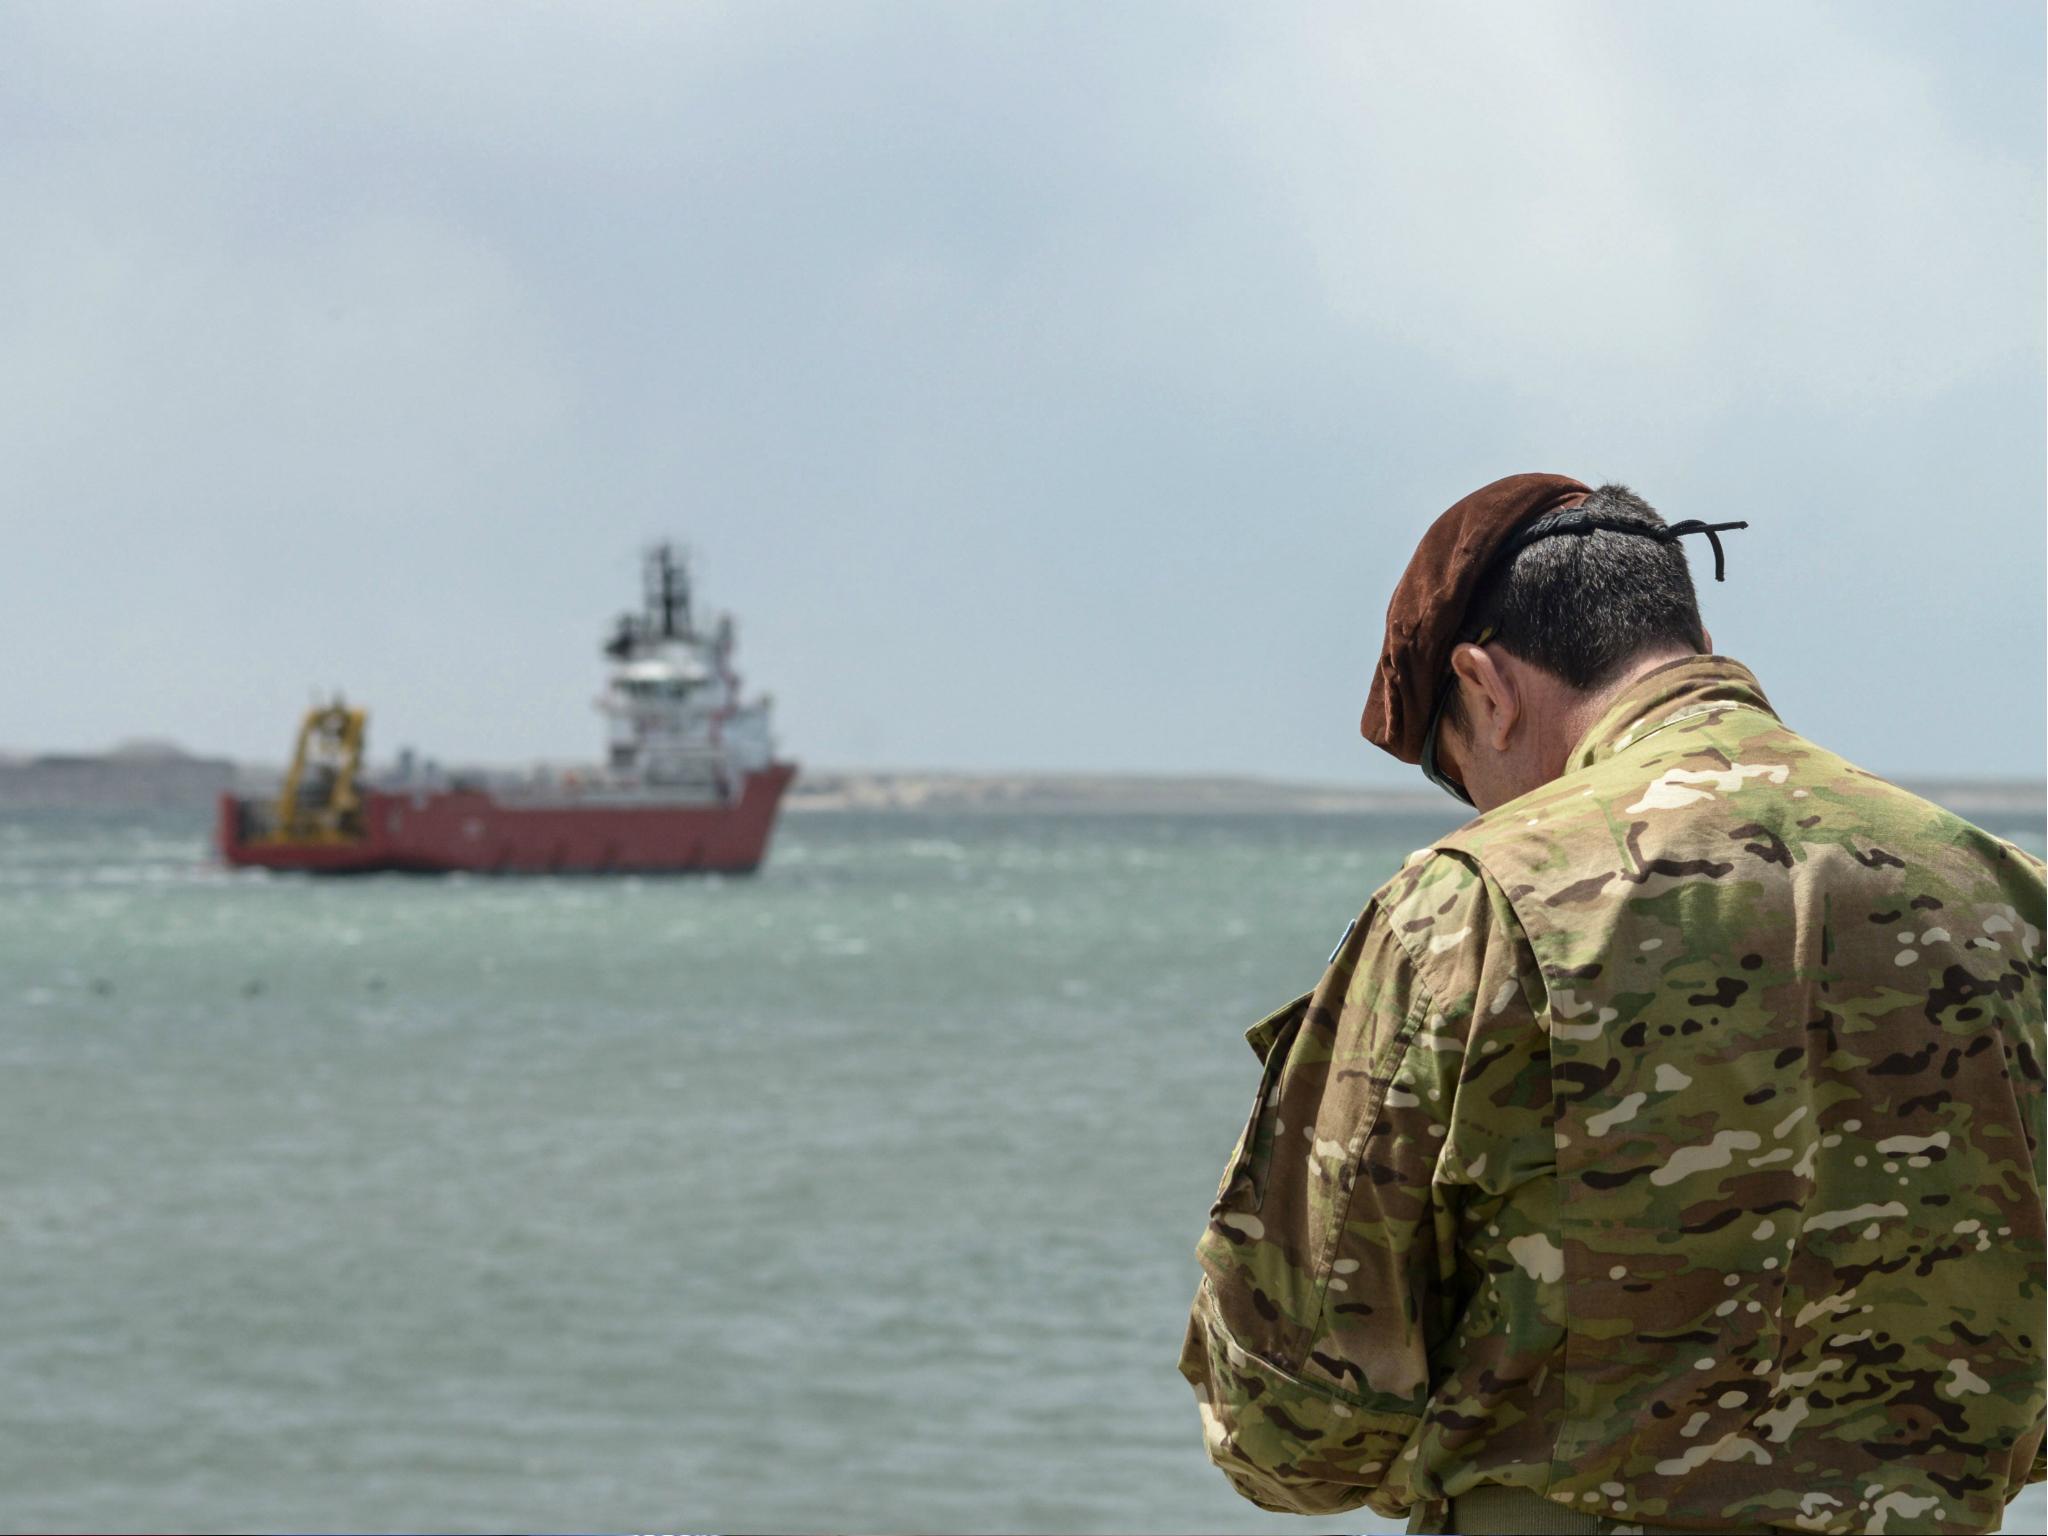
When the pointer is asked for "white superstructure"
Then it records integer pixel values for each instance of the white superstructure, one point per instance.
(678, 723)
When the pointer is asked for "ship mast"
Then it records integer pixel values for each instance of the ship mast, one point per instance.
(668, 593)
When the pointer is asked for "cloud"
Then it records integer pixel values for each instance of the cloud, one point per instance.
(1093, 368)
(1713, 202)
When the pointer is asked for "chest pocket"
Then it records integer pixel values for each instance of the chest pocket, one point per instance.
(1244, 1180)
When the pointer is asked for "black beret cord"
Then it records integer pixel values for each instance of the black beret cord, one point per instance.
(1579, 521)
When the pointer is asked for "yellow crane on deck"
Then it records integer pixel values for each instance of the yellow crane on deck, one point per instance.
(321, 801)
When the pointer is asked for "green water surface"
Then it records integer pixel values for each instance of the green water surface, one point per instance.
(857, 1195)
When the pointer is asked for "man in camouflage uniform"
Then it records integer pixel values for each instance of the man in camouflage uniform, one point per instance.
(1663, 1148)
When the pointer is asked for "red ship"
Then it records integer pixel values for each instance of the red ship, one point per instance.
(692, 782)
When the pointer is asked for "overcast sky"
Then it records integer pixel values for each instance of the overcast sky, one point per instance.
(1054, 386)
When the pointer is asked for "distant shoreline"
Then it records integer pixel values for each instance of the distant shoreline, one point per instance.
(158, 775)
(825, 793)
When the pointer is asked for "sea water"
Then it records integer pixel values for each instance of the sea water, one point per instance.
(860, 1194)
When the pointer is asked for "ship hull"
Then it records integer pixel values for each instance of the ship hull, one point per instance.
(481, 832)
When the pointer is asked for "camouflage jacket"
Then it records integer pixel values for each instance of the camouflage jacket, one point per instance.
(1667, 1142)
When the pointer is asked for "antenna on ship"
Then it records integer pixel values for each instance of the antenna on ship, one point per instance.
(668, 593)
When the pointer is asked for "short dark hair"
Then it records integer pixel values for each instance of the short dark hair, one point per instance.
(1582, 606)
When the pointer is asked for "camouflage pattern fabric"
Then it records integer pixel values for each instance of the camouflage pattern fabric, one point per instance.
(1667, 1142)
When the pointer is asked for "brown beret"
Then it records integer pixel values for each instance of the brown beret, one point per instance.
(1428, 606)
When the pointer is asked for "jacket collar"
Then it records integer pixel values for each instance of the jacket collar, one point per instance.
(1677, 690)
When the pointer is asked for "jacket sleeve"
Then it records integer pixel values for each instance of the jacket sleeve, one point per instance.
(1329, 1272)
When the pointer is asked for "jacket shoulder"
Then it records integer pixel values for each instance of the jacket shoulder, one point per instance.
(1701, 799)
(1444, 913)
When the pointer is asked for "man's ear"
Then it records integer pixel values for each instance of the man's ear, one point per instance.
(1493, 704)
(1707, 635)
